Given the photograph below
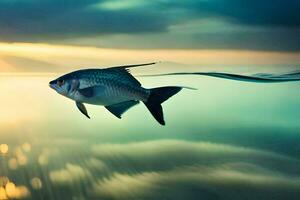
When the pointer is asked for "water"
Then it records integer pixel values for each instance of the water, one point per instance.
(226, 140)
(256, 78)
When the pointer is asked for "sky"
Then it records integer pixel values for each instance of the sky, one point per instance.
(194, 28)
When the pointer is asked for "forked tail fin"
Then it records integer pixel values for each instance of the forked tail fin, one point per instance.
(157, 97)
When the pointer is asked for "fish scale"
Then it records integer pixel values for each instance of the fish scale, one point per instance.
(116, 85)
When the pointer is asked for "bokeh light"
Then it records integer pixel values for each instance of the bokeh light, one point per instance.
(36, 183)
(13, 164)
(43, 160)
(26, 147)
(3, 181)
(3, 195)
(3, 148)
(16, 192)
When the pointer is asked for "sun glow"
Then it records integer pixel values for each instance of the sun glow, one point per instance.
(75, 56)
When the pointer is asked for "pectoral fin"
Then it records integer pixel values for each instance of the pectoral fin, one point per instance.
(82, 109)
(120, 108)
(91, 91)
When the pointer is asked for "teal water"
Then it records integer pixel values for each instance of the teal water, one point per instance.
(226, 140)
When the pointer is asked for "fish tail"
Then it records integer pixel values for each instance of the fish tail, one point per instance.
(157, 97)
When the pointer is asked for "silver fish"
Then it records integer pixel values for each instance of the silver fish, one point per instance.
(115, 88)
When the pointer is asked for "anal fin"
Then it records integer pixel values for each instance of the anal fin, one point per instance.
(120, 108)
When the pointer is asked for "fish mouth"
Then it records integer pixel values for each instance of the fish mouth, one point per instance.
(52, 86)
(57, 89)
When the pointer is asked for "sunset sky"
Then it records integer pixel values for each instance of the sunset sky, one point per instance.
(55, 35)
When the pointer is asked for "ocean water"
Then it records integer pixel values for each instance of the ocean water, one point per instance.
(225, 140)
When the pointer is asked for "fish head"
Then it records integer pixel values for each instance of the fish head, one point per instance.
(61, 86)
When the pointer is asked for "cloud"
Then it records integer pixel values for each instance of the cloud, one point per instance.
(121, 5)
(267, 12)
(93, 163)
(222, 182)
(173, 169)
(167, 169)
(256, 12)
(51, 20)
(165, 154)
(19, 63)
(70, 174)
(124, 186)
(77, 22)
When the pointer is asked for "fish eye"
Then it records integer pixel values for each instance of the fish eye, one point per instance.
(60, 82)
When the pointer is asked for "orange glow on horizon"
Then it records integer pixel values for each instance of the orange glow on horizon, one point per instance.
(64, 55)
(5, 66)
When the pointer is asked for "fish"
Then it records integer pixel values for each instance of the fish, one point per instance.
(115, 88)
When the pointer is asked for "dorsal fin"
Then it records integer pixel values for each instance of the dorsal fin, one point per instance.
(124, 73)
(130, 66)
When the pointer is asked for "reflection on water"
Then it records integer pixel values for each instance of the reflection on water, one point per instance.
(239, 141)
(11, 158)
(10, 191)
(256, 78)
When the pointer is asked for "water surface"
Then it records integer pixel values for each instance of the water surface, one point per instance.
(226, 140)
